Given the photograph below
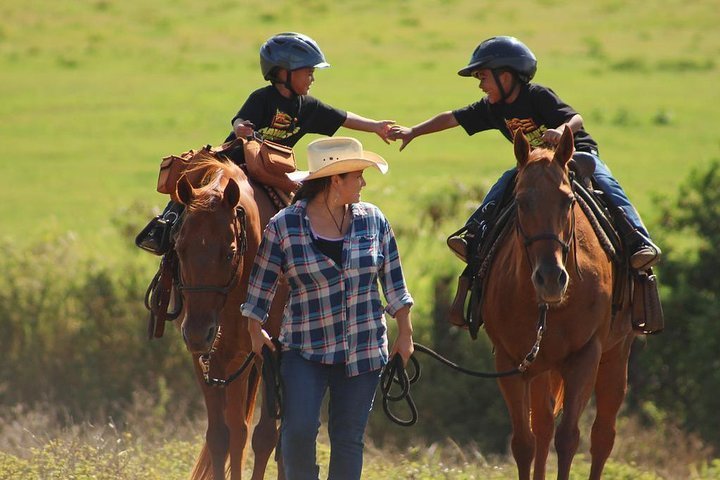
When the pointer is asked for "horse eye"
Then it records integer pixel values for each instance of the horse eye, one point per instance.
(230, 255)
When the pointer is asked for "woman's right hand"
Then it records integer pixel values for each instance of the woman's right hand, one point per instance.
(259, 337)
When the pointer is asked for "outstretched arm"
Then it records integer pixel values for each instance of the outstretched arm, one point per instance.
(381, 127)
(439, 122)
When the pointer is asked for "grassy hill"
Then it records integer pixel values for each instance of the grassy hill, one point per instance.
(96, 92)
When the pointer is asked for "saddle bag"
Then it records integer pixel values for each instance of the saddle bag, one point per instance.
(172, 168)
(269, 163)
(647, 312)
(266, 162)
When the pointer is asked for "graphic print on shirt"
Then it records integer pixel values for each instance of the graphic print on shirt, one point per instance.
(532, 132)
(281, 126)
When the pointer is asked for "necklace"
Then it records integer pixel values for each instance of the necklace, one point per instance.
(342, 222)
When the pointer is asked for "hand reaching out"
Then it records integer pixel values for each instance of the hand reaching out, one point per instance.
(398, 132)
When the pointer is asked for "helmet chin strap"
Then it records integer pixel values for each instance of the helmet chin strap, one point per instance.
(503, 94)
(288, 83)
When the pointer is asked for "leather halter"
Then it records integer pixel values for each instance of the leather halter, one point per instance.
(241, 238)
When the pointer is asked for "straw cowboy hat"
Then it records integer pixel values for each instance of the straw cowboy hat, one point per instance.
(335, 155)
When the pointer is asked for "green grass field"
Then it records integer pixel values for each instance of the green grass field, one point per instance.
(95, 92)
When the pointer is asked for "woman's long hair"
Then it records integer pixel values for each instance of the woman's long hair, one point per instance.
(310, 188)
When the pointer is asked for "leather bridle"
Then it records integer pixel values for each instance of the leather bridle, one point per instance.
(565, 246)
(240, 224)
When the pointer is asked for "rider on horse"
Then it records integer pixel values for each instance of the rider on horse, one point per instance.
(504, 66)
(281, 112)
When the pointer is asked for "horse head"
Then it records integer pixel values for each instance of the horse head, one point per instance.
(210, 243)
(545, 213)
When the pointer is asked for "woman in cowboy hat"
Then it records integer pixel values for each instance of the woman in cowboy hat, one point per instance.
(334, 250)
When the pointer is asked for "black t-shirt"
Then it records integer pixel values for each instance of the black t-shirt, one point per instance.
(287, 120)
(535, 110)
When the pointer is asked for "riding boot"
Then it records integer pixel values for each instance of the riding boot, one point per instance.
(155, 237)
(642, 252)
(467, 239)
(456, 315)
(458, 244)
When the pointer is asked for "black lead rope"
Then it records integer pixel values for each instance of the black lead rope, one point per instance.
(394, 372)
(271, 379)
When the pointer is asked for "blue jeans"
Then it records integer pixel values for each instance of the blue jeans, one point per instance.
(351, 399)
(616, 196)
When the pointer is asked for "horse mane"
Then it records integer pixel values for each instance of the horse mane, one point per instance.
(541, 156)
(213, 171)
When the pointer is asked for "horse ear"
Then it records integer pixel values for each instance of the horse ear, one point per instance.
(232, 194)
(566, 147)
(185, 191)
(522, 148)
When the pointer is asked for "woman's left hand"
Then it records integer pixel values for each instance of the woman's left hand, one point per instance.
(404, 347)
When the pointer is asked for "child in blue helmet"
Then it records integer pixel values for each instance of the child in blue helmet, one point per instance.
(282, 112)
(504, 66)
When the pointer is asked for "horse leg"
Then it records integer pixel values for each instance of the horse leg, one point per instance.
(217, 435)
(610, 389)
(265, 438)
(579, 372)
(541, 420)
(239, 412)
(266, 434)
(516, 392)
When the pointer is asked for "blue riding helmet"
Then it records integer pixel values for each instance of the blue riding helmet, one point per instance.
(503, 52)
(290, 51)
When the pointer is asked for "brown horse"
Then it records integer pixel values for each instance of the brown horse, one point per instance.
(216, 245)
(552, 257)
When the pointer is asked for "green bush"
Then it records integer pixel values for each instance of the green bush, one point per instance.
(678, 369)
(74, 332)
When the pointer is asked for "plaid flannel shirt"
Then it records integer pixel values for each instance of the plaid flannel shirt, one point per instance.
(334, 314)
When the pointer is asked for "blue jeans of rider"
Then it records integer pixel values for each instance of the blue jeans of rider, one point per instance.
(616, 196)
(351, 398)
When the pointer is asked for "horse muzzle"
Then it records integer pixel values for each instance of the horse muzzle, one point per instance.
(199, 332)
(550, 282)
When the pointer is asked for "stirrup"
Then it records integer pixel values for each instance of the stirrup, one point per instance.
(645, 257)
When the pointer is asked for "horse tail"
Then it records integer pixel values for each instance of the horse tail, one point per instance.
(557, 388)
(203, 465)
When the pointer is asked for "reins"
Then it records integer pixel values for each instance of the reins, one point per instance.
(270, 375)
(270, 363)
(394, 372)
